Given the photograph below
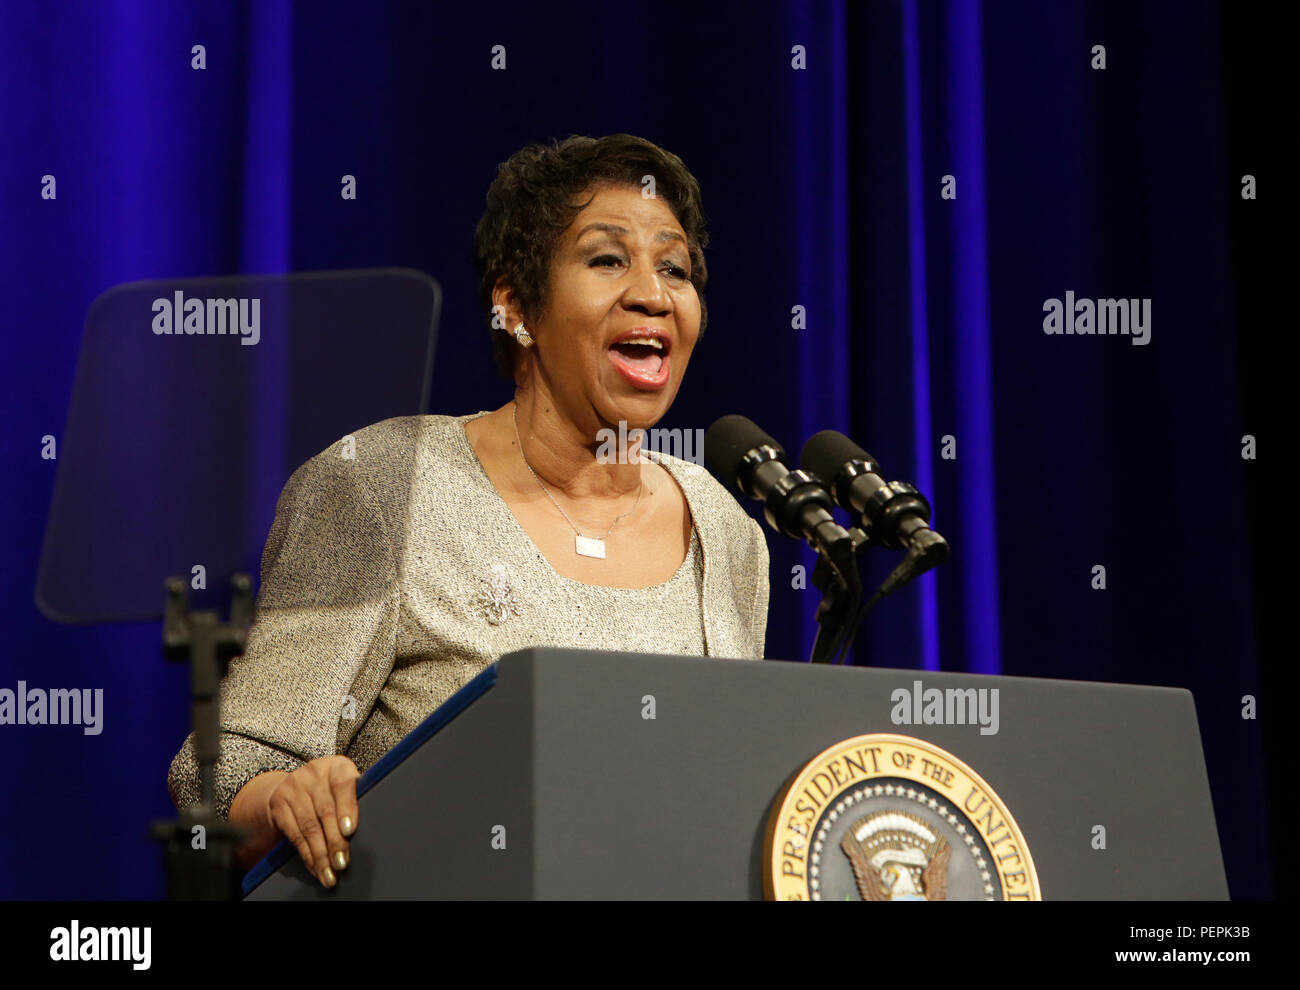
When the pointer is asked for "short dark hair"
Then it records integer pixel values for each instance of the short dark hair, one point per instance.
(531, 203)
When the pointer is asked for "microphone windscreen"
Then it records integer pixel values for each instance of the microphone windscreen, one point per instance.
(826, 452)
(726, 443)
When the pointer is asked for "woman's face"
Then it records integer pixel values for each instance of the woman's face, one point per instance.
(622, 316)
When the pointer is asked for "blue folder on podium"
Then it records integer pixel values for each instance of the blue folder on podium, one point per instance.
(581, 774)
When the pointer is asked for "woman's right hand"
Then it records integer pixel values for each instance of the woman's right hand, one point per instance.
(315, 808)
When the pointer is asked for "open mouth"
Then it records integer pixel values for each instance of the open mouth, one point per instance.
(641, 360)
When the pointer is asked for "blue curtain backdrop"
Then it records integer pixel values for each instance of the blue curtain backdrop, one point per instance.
(821, 134)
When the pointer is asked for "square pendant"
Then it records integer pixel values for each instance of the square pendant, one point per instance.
(589, 546)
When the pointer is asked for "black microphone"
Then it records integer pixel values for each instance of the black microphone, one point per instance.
(898, 515)
(795, 504)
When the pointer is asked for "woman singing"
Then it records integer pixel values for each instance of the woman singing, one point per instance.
(407, 557)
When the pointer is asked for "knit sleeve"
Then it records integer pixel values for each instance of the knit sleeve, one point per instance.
(758, 621)
(241, 760)
(323, 638)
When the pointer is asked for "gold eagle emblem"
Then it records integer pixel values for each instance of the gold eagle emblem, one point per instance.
(897, 857)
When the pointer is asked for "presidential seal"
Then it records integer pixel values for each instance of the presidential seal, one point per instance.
(884, 817)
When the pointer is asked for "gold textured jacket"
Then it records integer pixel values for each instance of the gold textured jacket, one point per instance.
(394, 573)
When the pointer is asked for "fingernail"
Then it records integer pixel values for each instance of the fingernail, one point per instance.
(329, 877)
(341, 860)
(346, 825)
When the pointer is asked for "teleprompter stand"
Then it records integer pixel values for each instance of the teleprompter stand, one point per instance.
(178, 439)
(200, 846)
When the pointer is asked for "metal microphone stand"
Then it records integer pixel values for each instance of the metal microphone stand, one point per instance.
(926, 550)
(840, 583)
